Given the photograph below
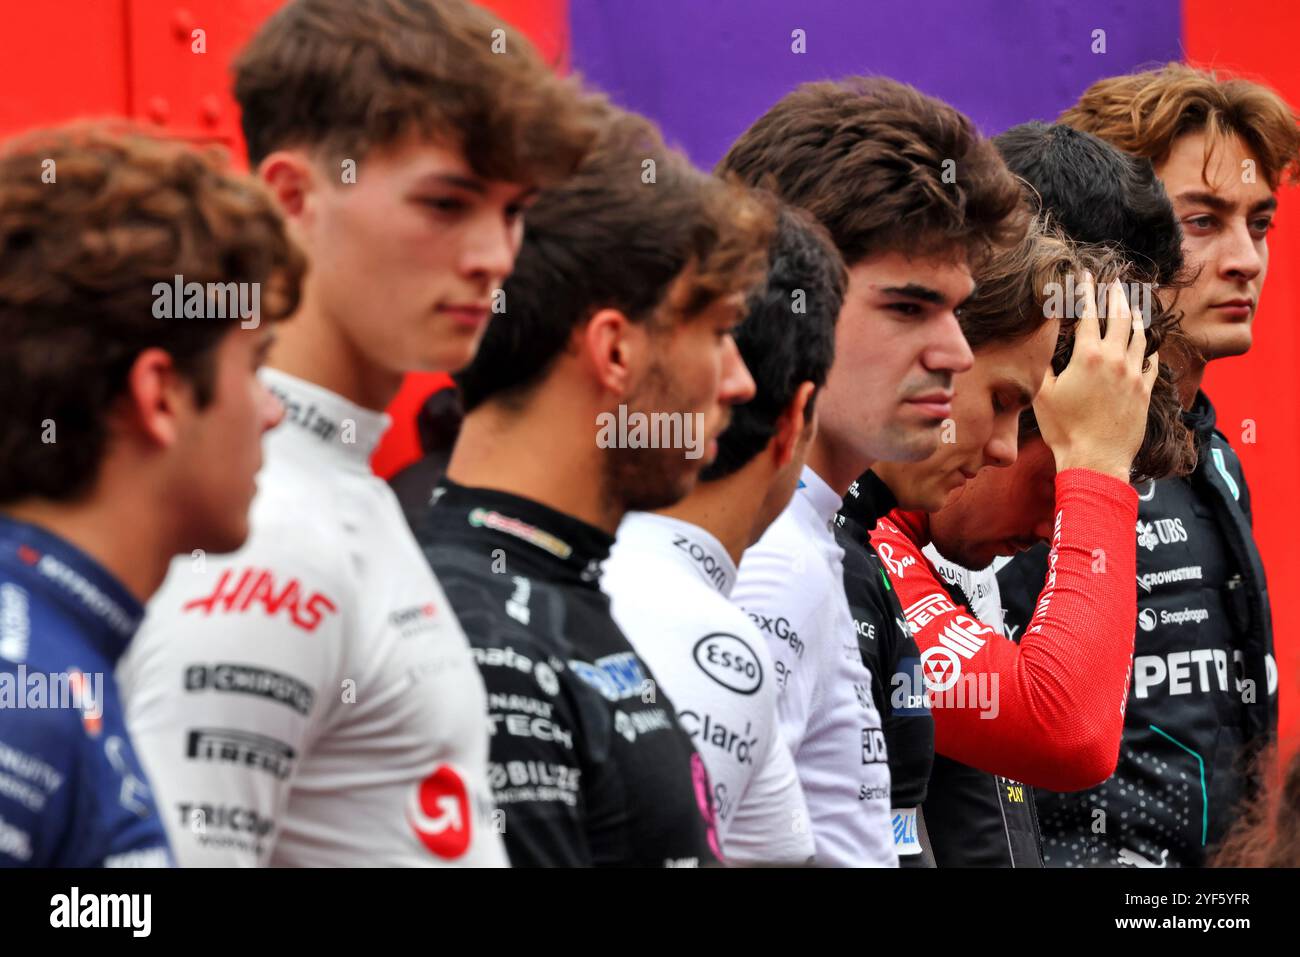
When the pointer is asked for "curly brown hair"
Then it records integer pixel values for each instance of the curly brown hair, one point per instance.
(883, 167)
(1016, 292)
(1267, 833)
(342, 77)
(91, 218)
(1143, 113)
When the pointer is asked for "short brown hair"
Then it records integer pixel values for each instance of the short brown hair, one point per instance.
(637, 229)
(883, 167)
(1008, 303)
(80, 255)
(1143, 113)
(1168, 448)
(342, 77)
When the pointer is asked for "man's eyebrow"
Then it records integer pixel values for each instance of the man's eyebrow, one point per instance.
(1023, 397)
(1265, 205)
(470, 183)
(914, 290)
(1212, 200)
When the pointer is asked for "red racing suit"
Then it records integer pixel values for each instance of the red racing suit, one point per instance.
(1049, 711)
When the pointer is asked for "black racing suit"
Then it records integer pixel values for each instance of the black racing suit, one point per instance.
(588, 762)
(1203, 694)
(887, 646)
(967, 818)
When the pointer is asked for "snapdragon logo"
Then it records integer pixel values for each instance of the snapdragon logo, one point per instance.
(133, 911)
(1066, 301)
(651, 430)
(214, 300)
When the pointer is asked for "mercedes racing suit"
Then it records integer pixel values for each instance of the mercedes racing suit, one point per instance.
(310, 699)
(1203, 699)
(791, 583)
(668, 582)
(72, 793)
(589, 764)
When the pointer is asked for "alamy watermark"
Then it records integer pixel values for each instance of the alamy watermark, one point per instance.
(24, 689)
(213, 300)
(1066, 300)
(652, 430)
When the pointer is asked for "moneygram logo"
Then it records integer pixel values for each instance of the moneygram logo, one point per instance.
(438, 812)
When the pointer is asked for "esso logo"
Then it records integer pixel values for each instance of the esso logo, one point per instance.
(438, 812)
(730, 662)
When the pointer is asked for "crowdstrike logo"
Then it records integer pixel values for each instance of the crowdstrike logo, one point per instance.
(1154, 579)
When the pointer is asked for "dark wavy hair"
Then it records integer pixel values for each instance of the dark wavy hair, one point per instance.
(79, 259)
(883, 167)
(659, 249)
(787, 337)
(1115, 208)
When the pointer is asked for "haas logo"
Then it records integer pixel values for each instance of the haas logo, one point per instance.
(438, 812)
(255, 588)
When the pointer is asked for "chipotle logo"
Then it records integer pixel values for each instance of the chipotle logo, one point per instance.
(256, 589)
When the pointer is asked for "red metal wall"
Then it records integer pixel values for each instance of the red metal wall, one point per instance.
(141, 59)
(1263, 386)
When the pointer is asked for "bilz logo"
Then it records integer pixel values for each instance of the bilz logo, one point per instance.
(730, 662)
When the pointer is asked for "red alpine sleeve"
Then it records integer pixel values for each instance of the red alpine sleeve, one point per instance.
(1049, 711)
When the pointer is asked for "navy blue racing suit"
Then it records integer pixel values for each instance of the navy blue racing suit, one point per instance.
(72, 792)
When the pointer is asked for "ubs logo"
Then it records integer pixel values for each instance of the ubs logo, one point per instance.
(1162, 531)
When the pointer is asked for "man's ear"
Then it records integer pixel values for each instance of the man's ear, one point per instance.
(615, 349)
(792, 431)
(155, 398)
(291, 177)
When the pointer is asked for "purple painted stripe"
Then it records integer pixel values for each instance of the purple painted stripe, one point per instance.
(705, 69)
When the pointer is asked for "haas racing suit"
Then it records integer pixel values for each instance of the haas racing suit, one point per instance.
(72, 793)
(1204, 688)
(668, 581)
(310, 700)
(589, 765)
